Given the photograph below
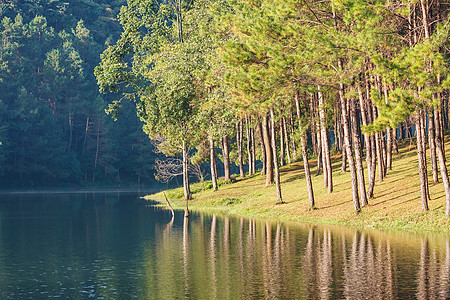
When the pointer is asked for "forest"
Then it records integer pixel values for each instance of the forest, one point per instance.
(232, 85)
(53, 128)
(278, 81)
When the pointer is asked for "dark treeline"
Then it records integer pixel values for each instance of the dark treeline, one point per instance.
(277, 81)
(53, 126)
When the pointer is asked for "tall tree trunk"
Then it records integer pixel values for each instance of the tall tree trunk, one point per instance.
(388, 149)
(239, 138)
(347, 146)
(367, 142)
(269, 154)
(286, 139)
(252, 132)
(249, 145)
(388, 135)
(325, 145)
(282, 150)
(394, 140)
(292, 134)
(358, 157)
(319, 151)
(424, 147)
(432, 145)
(186, 185)
(378, 148)
(212, 158)
(275, 158)
(226, 158)
(383, 152)
(263, 149)
(304, 153)
(442, 162)
(422, 164)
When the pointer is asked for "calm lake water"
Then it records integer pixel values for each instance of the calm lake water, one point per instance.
(117, 246)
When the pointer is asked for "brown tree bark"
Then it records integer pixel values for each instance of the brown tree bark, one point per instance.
(432, 145)
(367, 142)
(249, 145)
(252, 132)
(442, 162)
(319, 152)
(422, 164)
(347, 146)
(424, 147)
(212, 158)
(226, 158)
(378, 149)
(263, 149)
(269, 154)
(388, 135)
(282, 150)
(286, 139)
(239, 138)
(325, 145)
(358, 154)
(275, 158)
(292, 134)
(304, 153)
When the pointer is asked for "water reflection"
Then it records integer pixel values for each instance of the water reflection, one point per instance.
(114, 246)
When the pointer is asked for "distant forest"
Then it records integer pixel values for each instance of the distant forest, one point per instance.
(54, 131)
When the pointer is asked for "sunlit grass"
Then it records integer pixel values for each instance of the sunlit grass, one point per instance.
(396, 203)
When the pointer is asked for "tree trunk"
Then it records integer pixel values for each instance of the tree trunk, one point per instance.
(226, 158)
(249, 145)
(269, 156)
(394, 140)
(424, 147)
(432, 145)
(319, 151)
(186, 185)
(422, 168)
(239, 137)
(212, 158)
(378, 148)
(358, 152)
(304, 153)
(286, 139)
(252, 132)
(348, 148)
(282, 150)
(388, 135)
(263, 149)
(275, 158)
(367, 143)
(292, 134)
(442, 163)
(325, 145)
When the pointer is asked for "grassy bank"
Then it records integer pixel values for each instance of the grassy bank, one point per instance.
(396, 203)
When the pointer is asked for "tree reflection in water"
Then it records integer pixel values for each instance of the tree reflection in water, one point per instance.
(245, 258)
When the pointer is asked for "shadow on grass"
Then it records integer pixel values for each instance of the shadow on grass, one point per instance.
(335, 205)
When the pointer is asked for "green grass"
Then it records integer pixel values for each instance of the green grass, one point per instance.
(396, 204)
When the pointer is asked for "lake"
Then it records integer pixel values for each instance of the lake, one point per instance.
(118, 246)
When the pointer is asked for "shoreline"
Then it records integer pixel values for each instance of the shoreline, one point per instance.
(396, 204)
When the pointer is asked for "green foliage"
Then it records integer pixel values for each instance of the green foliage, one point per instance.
(53, 130)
